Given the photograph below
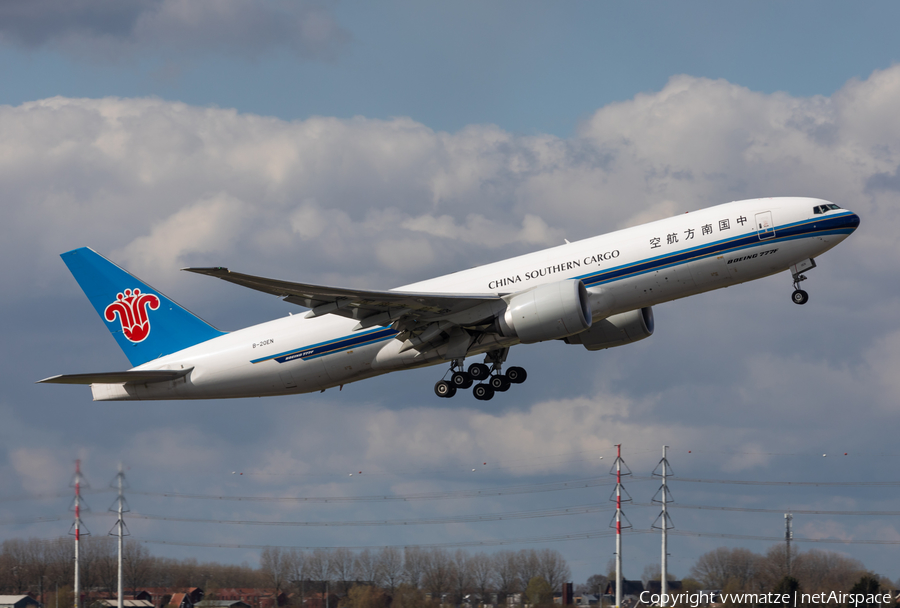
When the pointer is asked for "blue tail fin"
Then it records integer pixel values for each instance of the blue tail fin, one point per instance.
(145, 323)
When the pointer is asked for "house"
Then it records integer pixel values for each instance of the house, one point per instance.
(181, 600)
(256, 598)
(163, 596)
(18, 601)
(629, 588)
(631, 591)
(656, 587)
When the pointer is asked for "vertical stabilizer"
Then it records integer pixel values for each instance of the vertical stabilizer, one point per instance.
(145, 323)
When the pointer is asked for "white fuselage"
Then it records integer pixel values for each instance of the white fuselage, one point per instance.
(624, 270)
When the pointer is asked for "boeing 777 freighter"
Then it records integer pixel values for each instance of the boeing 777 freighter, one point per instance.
(597, 293)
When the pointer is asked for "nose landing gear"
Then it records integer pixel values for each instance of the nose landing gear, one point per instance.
(799, 296)
(490, 380)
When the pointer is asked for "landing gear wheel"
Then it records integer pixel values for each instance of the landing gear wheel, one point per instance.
(499, 383)
(444, 389)
(461, 380)
(479, 371)
(483, 392)
(516, 375)
(799, 297)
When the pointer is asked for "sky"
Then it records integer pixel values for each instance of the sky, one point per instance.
(372, 145)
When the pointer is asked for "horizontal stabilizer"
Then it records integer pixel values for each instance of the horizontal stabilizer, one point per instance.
(128, 377)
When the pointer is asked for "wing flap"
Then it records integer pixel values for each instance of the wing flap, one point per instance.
(127, 377)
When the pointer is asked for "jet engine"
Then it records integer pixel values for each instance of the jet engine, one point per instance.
(547, 312)
(616, 330)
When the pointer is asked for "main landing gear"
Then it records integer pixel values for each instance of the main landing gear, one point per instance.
(799, 296)
(489, 380)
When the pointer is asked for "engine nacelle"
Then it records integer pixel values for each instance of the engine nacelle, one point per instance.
(616, 330)
(547, 312)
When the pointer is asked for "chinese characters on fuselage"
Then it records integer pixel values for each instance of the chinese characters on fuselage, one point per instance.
(673, 238)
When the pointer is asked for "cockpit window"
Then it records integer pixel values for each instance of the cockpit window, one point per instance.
(820, 209)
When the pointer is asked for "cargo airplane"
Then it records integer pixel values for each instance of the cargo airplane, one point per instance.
(596, 293)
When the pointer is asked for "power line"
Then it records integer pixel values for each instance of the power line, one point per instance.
(555, 486)
(586, 535)
(513, 515)
(839, 541)
(473, 543)
(801, 511)
(847, 484)
(36, 520)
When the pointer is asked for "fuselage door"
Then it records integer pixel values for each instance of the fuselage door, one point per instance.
(765, 227)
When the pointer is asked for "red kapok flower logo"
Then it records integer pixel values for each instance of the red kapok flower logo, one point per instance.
(132, 308)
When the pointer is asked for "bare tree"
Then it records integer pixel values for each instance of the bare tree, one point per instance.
(366, 566)
(16, 552)
(482, 574)
(137, 565)
(320, 568)
(413, 564)
(107, 562)
(461, 575)
(275, 564)
(299, 571)
(506, 570)
(389, 568)
(723, 567)
(819, 570)
(528, 565)
(553, 568)
(436, 573)
(59, 554)
(342, 563)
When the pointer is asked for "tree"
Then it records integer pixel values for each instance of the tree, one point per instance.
(461, 575)
(716, 568)
(407, 596)
(506, 571)
(342, 565)
(436, 573)
(413, 564)
(552, 567)
(365, 596)
(528, 564)
(867, 585)
(275, 564)
(389, 568)
(482, 574)
(596, 584)
(539, 592)
(136, 565)
(298, 571)
(366, 566)
(787, 586)
(823, 571)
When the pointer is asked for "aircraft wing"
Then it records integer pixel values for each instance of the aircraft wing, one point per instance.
(368, 306)
(127, 377)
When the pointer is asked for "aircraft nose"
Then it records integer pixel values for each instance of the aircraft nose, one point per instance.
(851, 221)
